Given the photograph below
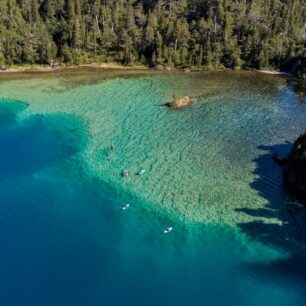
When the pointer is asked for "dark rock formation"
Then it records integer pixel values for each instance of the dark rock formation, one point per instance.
(295, 166)
(279, 160)
(299, 68)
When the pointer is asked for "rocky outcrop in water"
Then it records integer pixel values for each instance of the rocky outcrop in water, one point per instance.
(295, 166)
(179, 102)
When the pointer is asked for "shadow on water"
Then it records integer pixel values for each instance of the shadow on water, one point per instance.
(288, 234)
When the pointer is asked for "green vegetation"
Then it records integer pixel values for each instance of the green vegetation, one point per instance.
(185, 33)
(295, 168)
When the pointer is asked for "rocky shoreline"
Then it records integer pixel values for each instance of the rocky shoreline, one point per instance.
(294, 166)
(55, 66)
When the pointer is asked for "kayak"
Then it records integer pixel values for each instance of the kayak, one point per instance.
(125, 207)
(141, 172)
(168, 230)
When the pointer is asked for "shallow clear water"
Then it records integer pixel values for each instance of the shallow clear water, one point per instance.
(238, 237)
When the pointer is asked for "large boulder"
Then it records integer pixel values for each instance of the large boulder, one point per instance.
(295, 167)
(179, 102)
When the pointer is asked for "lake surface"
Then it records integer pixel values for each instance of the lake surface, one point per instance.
(239, 238)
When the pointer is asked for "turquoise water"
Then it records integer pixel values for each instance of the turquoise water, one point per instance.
(238, 238)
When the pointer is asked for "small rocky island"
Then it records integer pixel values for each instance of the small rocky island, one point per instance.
(295, 166)
(179, 102)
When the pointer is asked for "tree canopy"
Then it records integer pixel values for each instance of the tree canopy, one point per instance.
(185, 33)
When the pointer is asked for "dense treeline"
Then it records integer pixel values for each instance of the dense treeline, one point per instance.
(186, 33)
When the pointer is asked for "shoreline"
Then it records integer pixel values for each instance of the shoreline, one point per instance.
(46, 68)
(275, 72)
(117, 66)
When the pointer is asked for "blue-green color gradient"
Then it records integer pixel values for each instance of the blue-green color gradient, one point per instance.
(238, 237)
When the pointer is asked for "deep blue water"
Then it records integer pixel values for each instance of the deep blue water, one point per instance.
(65, 240)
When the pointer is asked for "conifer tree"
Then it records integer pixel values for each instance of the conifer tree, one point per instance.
(204, 34)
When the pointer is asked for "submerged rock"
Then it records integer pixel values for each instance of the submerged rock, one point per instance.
(179, 102)
(295, 167)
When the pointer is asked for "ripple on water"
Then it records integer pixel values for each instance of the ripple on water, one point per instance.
(200, 162)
